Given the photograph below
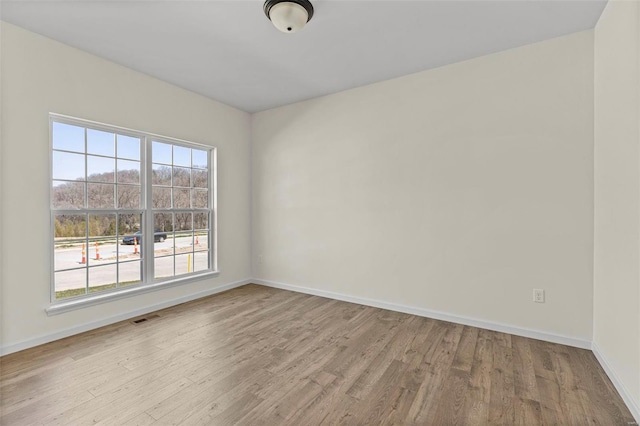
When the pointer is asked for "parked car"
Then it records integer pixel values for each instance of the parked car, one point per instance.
(158, 237)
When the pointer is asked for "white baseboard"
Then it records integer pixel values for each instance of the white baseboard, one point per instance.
(40, 340)
(489, 325)
(632, 404)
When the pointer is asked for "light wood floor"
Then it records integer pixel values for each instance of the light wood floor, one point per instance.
(256, 355)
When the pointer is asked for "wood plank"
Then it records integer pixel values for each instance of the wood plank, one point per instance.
(449, 410)
(569, 398)
(463, 359)
(550, 408)
(479, 387)
(527, 412)
(501, 409)
(524, 374)
(439, 362)
(142, 419)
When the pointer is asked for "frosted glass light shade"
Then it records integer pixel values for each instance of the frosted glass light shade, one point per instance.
(289, 16)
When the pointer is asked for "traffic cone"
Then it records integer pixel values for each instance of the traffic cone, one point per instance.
(97, 252)
(84, 255)
(135, 245)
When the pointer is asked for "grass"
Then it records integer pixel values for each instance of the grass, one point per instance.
(64, 294)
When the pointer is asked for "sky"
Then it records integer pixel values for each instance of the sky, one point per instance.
(107, 151)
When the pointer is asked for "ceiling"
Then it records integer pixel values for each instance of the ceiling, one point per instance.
(229, 51)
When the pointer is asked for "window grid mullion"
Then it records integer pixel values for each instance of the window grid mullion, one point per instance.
(86, 236)
(145, 212)
(86, 207)
(115, 186)
(212, 203)
(86, 171)
(117, 245)
(148, 255)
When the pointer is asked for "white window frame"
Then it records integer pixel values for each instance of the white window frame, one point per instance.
(148, 283)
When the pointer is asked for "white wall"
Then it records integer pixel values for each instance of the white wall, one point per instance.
(617, 196)
(41, 76)
(457, 189)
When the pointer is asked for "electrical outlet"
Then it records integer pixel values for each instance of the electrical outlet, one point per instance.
(538, 295)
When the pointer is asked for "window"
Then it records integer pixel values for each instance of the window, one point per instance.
(129, 210)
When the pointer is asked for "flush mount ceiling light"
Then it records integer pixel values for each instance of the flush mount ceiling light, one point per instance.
(288, 16)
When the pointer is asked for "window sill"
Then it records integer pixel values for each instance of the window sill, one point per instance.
(71, 305)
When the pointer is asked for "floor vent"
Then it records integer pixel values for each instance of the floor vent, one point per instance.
(139, 320)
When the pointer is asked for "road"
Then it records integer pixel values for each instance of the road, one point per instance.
(103, 271)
